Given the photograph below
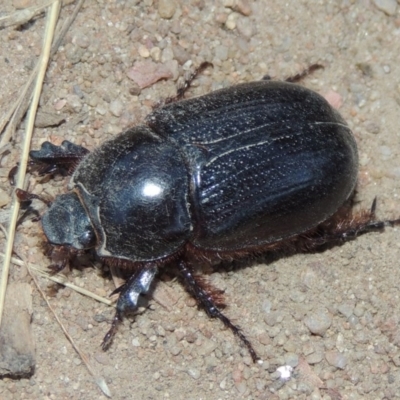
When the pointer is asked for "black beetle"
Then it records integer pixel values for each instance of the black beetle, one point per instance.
(228, 174)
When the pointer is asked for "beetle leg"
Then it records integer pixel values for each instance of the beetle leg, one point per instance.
(26, 197)
(300, 76)
(182, 89)
(139, 283)
(303, 74)
(350, 227)
(206, 301)
(353, 230)
(60, 257)
(52, 159)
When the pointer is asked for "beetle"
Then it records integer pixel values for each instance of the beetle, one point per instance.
(239, 171)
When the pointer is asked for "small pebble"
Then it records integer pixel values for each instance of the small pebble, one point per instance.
(81, 40)
(74, 103)
(385, 151)
(387, 6)
(336, 359)
(194, 373)
(237, 375)
(315, 357)
(21, 4)
(166, 8)
(4, 198)
(144, 51)
(319, 321)
(59, 104)
(101, 109)
(291, 359)
(73, 53)
(146, 73)
(359, 310)
(241, 387)
(221, 52)
(135, 342)
(334, 99)
(273, 318)
(207, 347)
(175, 350)
(155, 53)
(102, 357)
(231, 21)
(241, 6)
(372, 127)
(222, 384)
(117, 107)
(346, 309)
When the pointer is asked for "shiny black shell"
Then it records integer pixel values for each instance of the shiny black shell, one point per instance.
(233, 170)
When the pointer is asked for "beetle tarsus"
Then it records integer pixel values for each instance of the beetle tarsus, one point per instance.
(139, 283)
(108, 338)
(206, 301)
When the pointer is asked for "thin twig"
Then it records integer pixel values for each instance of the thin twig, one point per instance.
(50, 27)
(18, 110)
(21, 17)
(99, 380)
(30, 267)
(65, 283)
(58, 279)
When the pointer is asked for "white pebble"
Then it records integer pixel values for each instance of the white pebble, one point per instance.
(144, 51)
(194, 373)
(116, 107)
(135, 342)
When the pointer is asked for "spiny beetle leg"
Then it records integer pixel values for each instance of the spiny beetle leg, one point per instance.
(303, 74)
(139, 283)
(51, 159)
(300, 76)
(350, 227)
(205, 300)
(60, 257)
(182, 89)
(24, 196)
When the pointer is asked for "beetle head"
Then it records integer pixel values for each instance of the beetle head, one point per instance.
(66, 223)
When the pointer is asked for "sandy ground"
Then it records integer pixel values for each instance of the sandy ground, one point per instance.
(180, 353)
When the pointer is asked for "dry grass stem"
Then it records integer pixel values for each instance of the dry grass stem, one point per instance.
(99, 380)
(21, 17)
(50, 28)
(59, 279)
(16, 112)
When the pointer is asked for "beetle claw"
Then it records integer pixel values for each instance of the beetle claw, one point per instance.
(54, 269)
(108, 338)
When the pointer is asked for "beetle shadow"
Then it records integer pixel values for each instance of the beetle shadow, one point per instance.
(347, 224)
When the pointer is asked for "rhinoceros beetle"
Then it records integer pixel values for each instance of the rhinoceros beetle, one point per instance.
(229, 174)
